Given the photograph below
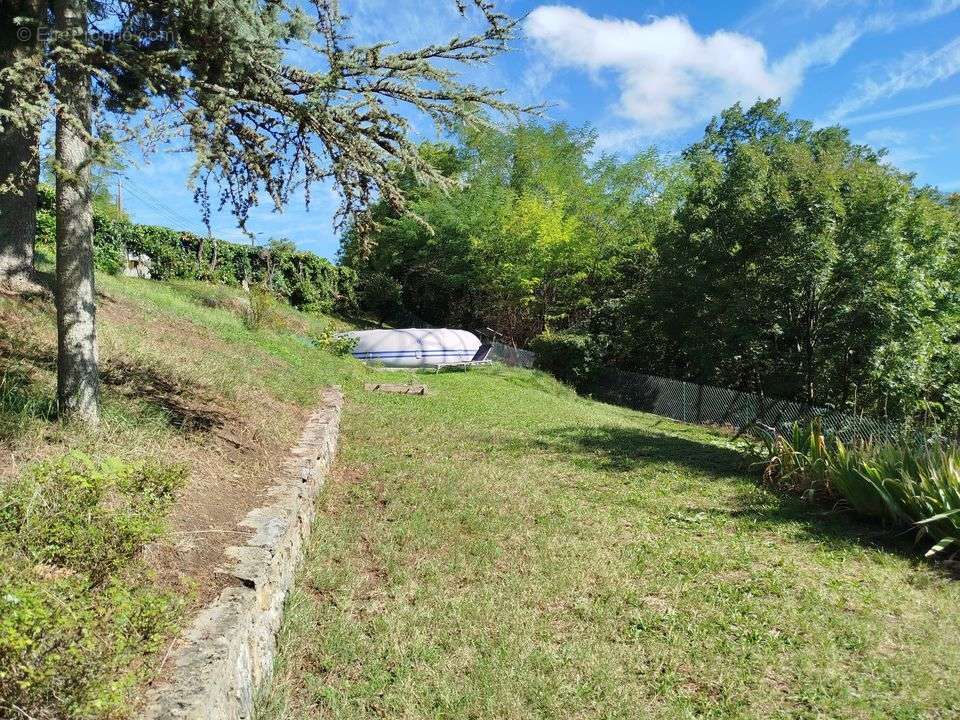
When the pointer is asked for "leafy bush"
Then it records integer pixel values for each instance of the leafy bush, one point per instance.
(898, 483)
(86, 517)
(70, 651)
(264, 312)
(77, 611)
(572, 358)
(330, 340)
(304, 279)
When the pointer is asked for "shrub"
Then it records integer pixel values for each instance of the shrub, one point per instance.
(304, 279)
(265, 311)
(330, 340)
(46, 237)
(900, 483)
(68, 650)
(570, 357)
(77, 611)
(84, 516)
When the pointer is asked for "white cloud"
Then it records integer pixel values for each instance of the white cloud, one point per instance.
(775, 13)
(903, 111)
(885, 136)
(669, 76)
(901, 152)
(821, 51)
(933, 10)
(914, 71)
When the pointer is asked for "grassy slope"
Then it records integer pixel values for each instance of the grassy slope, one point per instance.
(505, 549)
(184, 382)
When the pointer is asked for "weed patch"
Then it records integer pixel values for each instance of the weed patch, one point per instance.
(78, 614)
(265, 312)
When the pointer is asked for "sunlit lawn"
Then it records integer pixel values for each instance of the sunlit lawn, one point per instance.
(503, 549)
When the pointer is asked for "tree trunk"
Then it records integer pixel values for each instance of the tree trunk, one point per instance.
(19, 147)
(78, 388)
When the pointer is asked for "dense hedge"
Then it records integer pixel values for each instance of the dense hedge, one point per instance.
(304, 279)
(571, 357)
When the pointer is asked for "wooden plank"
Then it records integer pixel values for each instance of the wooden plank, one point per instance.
(397, 388)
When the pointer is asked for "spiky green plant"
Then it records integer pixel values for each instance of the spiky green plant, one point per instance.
(797, 462)
(855, 477)
(926, 485)
(900, 483)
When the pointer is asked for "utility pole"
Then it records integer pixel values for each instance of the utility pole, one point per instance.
(119, 195)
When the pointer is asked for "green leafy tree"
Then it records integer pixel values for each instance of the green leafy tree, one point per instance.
(804, 266)
(772, 257)
(539, 236)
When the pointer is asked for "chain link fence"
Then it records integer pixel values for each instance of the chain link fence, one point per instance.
(691, 402)
(704, 404)
(509, 355)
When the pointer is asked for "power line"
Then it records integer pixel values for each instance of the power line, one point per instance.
(171, 215)
(148, 197)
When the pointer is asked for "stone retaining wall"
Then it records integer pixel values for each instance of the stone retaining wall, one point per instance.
(227, 653)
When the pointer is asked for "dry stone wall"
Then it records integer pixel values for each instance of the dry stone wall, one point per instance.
(227, 653)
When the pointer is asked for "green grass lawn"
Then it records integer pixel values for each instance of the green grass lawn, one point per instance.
(502, 548)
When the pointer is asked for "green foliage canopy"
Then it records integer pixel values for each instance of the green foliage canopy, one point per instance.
(535, 237)
(803, 265)
(772, 256)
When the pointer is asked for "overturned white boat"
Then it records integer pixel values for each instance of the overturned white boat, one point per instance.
(418, 347)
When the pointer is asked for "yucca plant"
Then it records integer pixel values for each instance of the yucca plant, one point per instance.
(901, 483)
(926, 484)
(859, 480)
(798, 461)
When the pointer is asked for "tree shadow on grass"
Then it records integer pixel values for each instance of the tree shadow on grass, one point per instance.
(835, 527)
(187, 407)
(26, 396)
(624, 449)
(27, 390)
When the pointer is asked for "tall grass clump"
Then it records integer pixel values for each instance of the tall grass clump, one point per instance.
(265, 311)
(902, 484)
(22, 402)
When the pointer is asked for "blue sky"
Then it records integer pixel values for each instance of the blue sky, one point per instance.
(652, 73)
